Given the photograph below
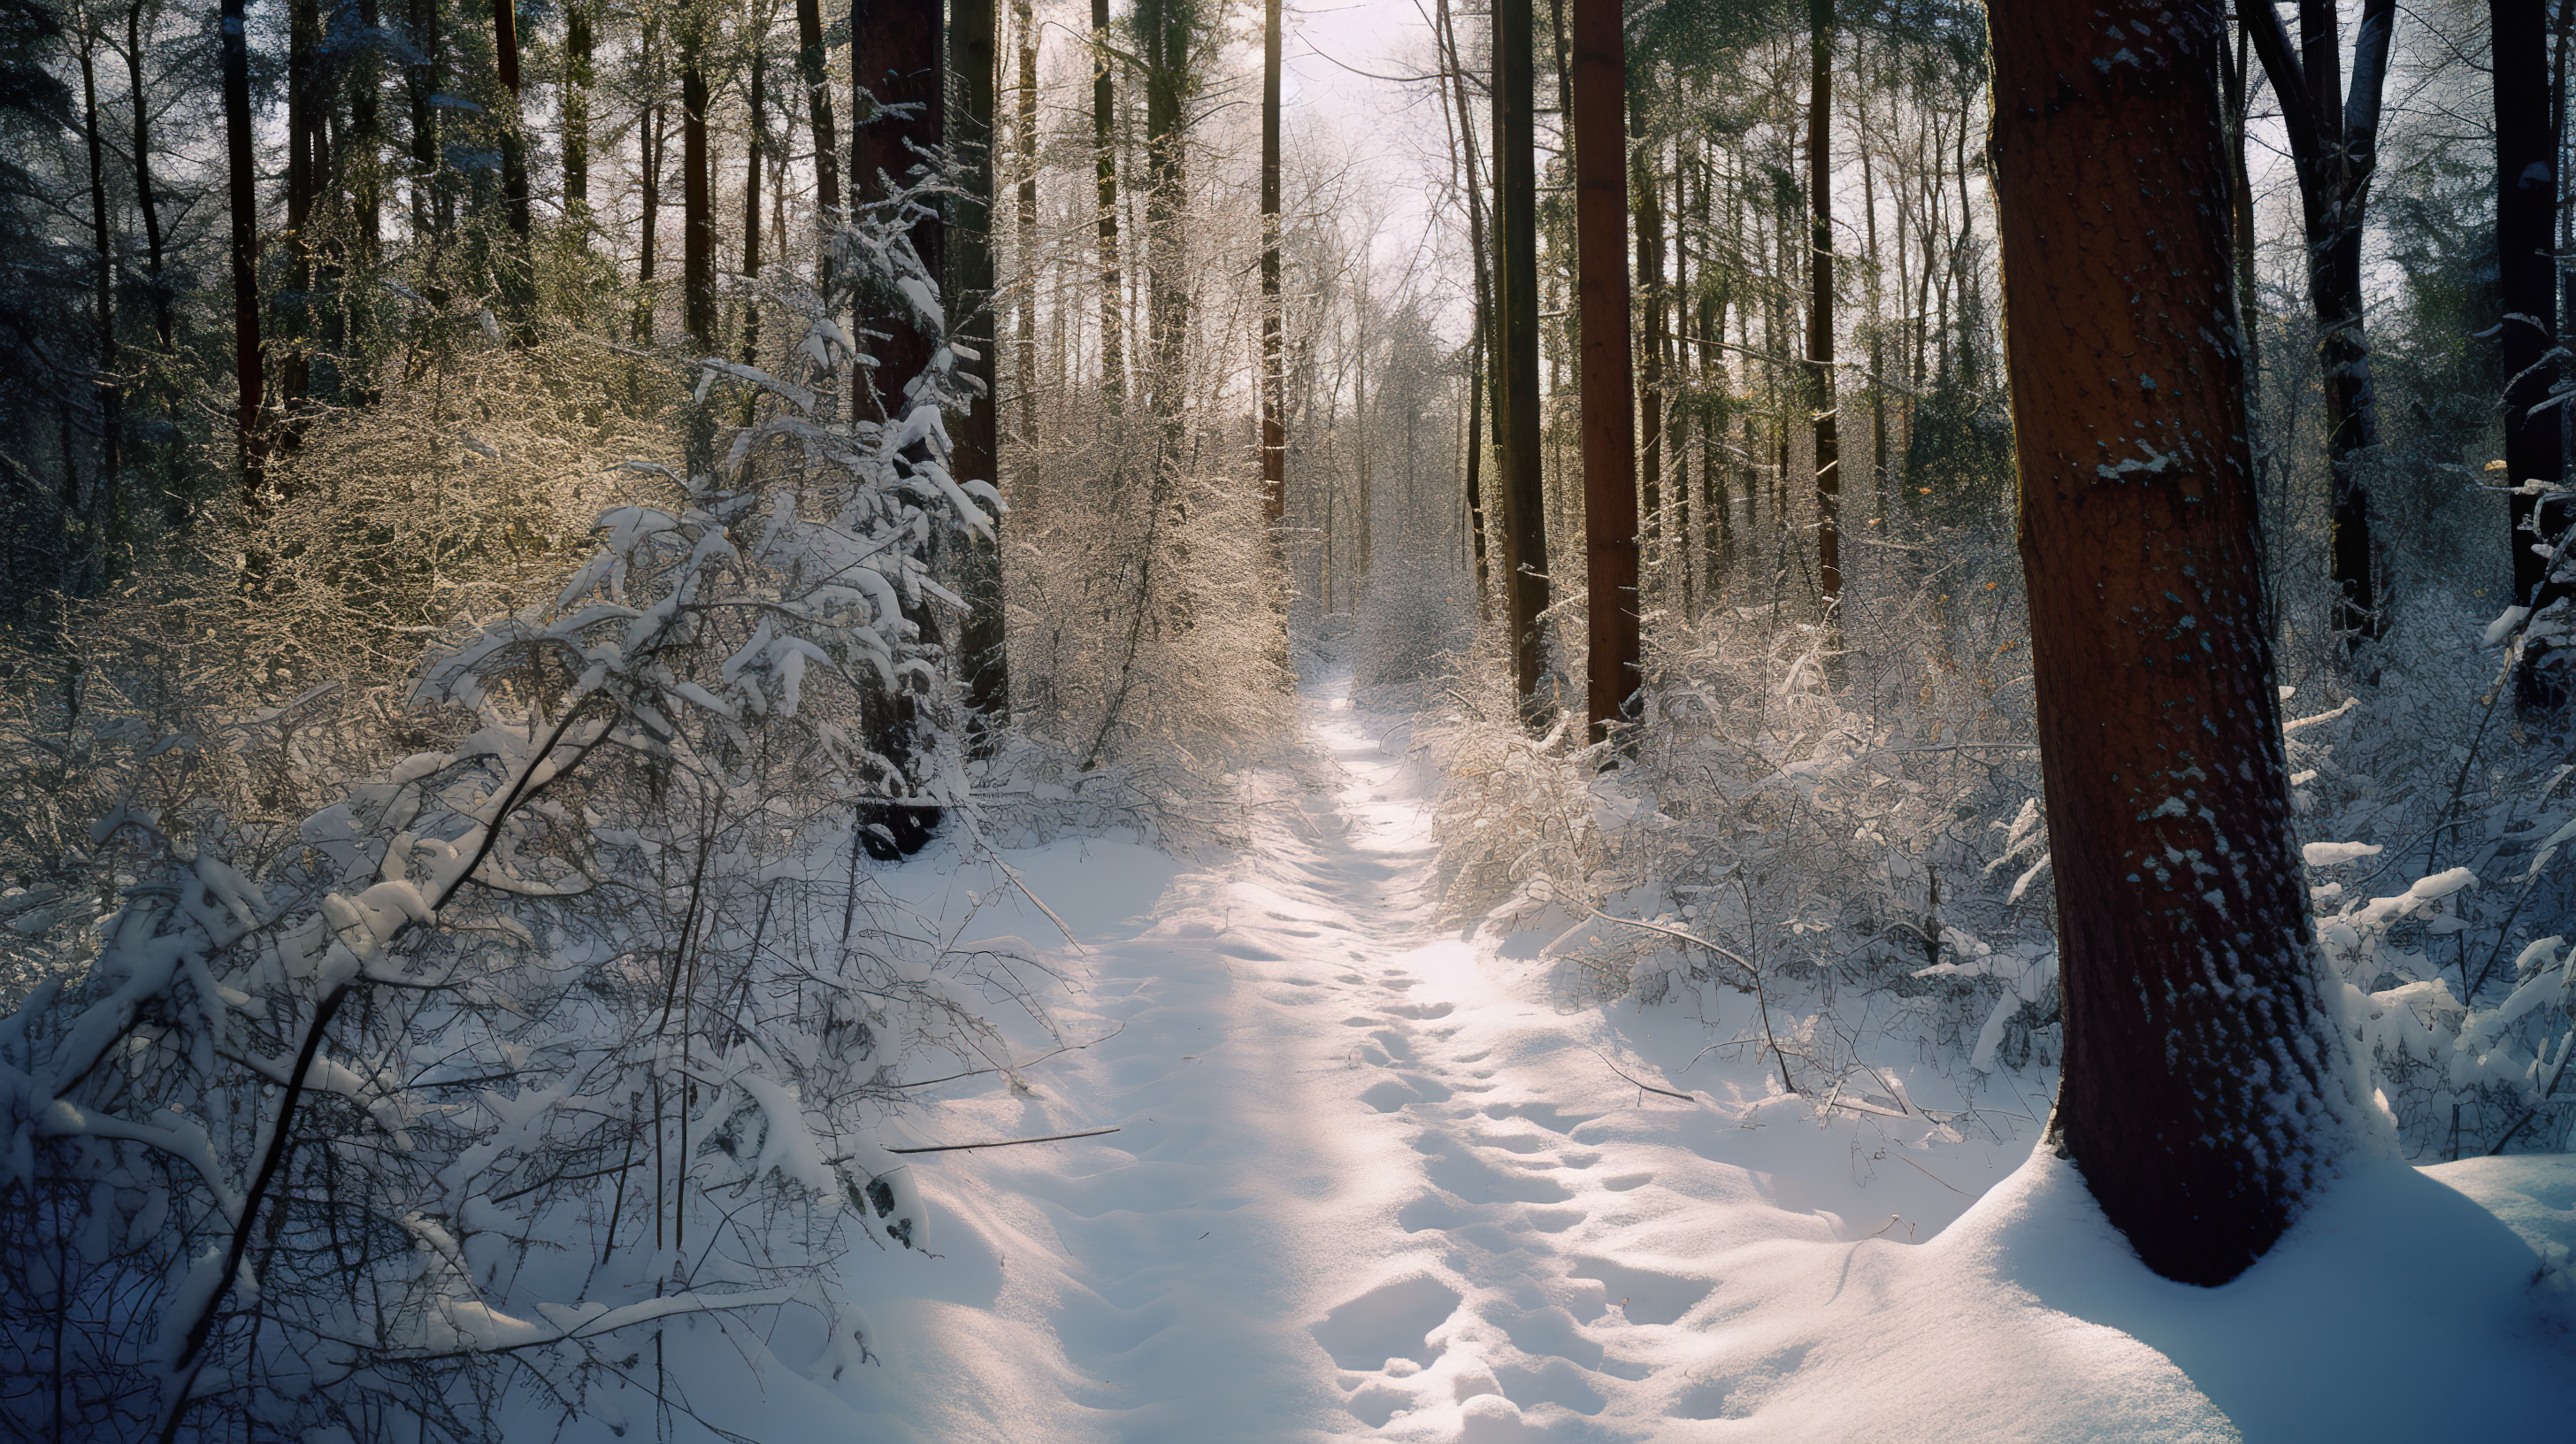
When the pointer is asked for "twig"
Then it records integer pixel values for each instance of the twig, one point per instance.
(1648, 1087)
(1004, 1142)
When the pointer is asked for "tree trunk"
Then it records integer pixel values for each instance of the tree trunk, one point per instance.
(1104, 155)
(2334, 144)
(896, 61)
(518, 278)
(1482, 379)
(1648, 380)
(580, 74)
(1025, 371)
(1609, 424)
(2205, 1089)
(2526, 193)
(111, 397)
(751, 202)
(1516, 402)
(307, 155)
(981, 642)
(697, 198)
(146, 200)
(651, 142)
(811, 70)
(1820, 307)
(242, 178)
(1166, 29)
(1274, 436)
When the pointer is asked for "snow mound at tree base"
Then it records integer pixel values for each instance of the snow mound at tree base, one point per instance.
(2398, 1309)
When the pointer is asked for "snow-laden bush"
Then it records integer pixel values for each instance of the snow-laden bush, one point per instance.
(466, 1086)
(1786, 823)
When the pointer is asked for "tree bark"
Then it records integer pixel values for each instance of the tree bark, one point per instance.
(1166, 29)
(111, 397)
(981, 641)
(1274, 436)
(580, 74)
(1104, 155)
(147, 201)
(1600, 59)
(1482, 376)
(2335, 149)
(2206, 1093)
(518, 278)
(2526, 194)
(752, 157)
(697, 198)
(811, 70)
(1819, 364)
(1025, 370)
(897, 61)
(307, 156)
(1516, 408)
(242, 181)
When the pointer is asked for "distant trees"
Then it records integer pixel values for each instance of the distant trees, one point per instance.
(2205, 1095)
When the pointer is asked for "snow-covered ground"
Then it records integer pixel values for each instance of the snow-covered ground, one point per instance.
(1371, 1183)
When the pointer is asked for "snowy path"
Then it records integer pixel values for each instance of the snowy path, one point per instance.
(1369, 1186)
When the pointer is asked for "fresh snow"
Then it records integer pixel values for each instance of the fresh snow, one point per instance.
(1374, 1181)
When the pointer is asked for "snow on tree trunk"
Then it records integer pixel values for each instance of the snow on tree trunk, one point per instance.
(2205, 1093)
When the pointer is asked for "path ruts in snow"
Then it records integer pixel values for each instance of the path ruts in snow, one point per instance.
(1370, 1184)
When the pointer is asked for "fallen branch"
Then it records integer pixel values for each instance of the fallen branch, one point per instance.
(1006, 1142)
(1648, 1087)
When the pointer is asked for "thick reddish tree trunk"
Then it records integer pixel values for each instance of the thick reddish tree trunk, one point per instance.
(2205, 1091)
(1609, 422)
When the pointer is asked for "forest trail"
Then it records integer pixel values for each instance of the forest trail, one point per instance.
(1369, 1183)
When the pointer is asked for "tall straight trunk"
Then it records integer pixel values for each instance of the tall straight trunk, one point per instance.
(2203, 1085)
(1820, 304)
(2236, 92)
(148, 202)
(1104, 159)
(366, 129)
(697, 197)
(1477, 369)
(981, 641)
(1025, 369)
(1364, 525)
(242, 181)
(2526, 194)
(307, 157)
(811, 69)
(1600, 63)
(1167, 29)
(111, 397)
(896, 61)
(1516, 402)
(652, 142)
(518, 278)
(2334, 143)
(1717, 508)
(580, 73)
(1481, 381)
(1274, 436)
(425, 82)
(1648, 463)
(752, 157)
